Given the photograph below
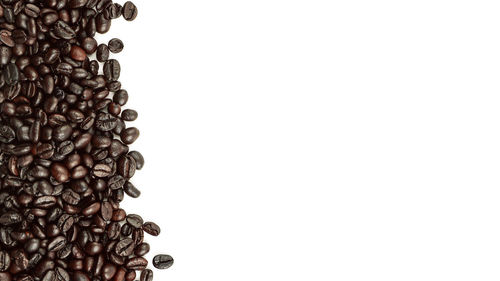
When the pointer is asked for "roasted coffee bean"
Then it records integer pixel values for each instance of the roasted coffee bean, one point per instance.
(4, 261)
(102, 54)
(102, 170)
(140, 263)
(125, 247)
(121, 97)
(112, 69)
(10, 218)
(129, 115)
(11, 74)
(139, 159)
(131, 190)
(147, 275)
(151, 228)
(126, 166)
(129, 135)
(141, 249)
(163, 261)
(106, 122)
(56, 244)
(77, 53)
(129, 11)
(7, 134)
(115, 45)
(135, 220)
(63, 30)
(93, 248)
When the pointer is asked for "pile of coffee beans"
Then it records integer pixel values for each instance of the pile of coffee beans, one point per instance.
(65, 163)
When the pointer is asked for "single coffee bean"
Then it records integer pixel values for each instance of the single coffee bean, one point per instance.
(129, 115)
(142, 249)
(77, 53)
(115, 45)
(4, 261)
(131, 190)
(129, 135)
(163, 261)
(125, 247)
(135, 220)
(129, 11)
(112, 70)
(102, 54)
(147, 275)
(151, 228)
(136, 263)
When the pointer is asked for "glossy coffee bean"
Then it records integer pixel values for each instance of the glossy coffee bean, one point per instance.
(163, 261)
(115, 45)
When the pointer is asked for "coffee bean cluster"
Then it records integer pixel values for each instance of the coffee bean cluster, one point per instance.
(65, 163)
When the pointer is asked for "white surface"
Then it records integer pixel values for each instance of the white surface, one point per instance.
(318, 140)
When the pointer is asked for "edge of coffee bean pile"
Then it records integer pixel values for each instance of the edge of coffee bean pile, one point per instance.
(65, 162)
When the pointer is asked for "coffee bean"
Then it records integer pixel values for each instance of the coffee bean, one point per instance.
(93, 248)
(141, 249)
(129, 135)
(129, 115)
(115, 45)
(151, 228)
(77, 53)
(147, 275)
(125, 247)
(60, 172)
(102, 53)
(112, 70)
(10, 218)
(4, 261)
(63, 30)
(136, 263)
(7, 134)
(11, 74)
(56, 244)
(126, 166)
(101, 170)
(135, 220)
(105, 122)
(129, 11)
(131, 190)
(163, 261)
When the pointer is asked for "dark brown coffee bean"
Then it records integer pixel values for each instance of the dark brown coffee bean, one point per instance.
(129, 115)
(56, 244)
(101, 170)
(140, 263)
(129, 11)
(4, 261)
(77, 53)
(63, 30)
(163, 261)
(129, 135)
(131, 190)
(60, 172)
(125, 247)
(151, 228)
(112, 70)
(115, 45)
(147, 275)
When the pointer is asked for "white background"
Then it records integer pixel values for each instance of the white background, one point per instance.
(318, 140)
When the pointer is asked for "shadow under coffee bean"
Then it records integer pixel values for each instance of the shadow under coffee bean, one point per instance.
(65, 162)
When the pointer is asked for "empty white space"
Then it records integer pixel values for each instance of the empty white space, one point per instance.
(318, 140)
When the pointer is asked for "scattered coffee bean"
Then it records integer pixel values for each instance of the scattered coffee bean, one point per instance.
(163, 261)
(115, 45)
